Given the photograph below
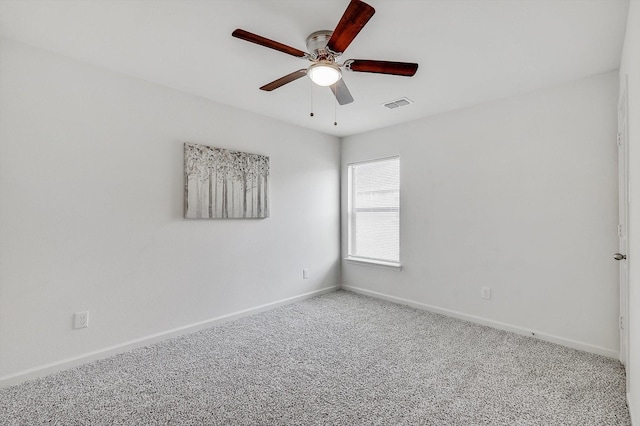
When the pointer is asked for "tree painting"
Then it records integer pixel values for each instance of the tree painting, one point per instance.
(220, 183)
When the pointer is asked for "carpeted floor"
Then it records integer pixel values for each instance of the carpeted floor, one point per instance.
(337, 359)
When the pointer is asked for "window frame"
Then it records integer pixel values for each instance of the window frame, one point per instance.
(351, 217)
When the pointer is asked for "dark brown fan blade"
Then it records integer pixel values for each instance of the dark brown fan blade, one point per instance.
(263, 41)
(341, 92)
(407, 69)
(353, 20)
(284, 80)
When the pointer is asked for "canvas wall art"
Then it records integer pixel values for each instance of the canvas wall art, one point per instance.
(224, 184)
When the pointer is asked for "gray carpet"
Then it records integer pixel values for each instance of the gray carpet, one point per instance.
(337, 359)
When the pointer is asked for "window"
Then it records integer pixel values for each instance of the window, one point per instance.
(374, 211)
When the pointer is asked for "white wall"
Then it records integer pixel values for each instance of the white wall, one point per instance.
(519, 195)
(91, 181)
(630, 67)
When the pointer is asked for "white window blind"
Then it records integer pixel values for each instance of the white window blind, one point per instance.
(374, 211)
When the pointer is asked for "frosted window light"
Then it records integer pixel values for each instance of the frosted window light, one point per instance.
(374, 211)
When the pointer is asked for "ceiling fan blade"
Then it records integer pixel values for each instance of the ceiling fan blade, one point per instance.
(284, 80)
(263, 41)
(407, 69)
(353, 20)
(341, 92)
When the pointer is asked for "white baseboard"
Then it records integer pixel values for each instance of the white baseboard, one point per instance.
(44, 370)
(491, 323)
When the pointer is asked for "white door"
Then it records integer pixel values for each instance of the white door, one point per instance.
(623, 215)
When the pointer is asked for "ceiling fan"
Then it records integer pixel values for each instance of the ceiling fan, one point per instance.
(325, 46)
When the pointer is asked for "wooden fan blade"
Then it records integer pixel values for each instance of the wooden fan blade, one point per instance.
(284, 80)
(353, 20)
(407, 69)
(341, 92)
(263, 41)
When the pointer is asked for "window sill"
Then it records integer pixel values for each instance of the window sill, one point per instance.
(377, 263)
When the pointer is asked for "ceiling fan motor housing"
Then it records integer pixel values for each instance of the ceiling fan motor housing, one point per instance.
(317, 46)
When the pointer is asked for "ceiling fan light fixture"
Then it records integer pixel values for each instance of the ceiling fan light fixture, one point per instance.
(324, 74)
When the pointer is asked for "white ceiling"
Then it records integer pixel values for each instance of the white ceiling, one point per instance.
(469, 51)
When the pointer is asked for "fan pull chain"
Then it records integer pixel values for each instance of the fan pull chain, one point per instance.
(335, 112)
(311, 97)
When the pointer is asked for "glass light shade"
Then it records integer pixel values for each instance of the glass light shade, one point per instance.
(324, 74)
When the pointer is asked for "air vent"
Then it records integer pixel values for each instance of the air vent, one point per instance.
(397, 103)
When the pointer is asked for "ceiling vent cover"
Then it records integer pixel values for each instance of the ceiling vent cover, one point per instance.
(397, 103)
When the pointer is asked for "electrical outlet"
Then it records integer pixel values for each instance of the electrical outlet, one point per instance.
(81, 319)
(485, 293)
(306, 273)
